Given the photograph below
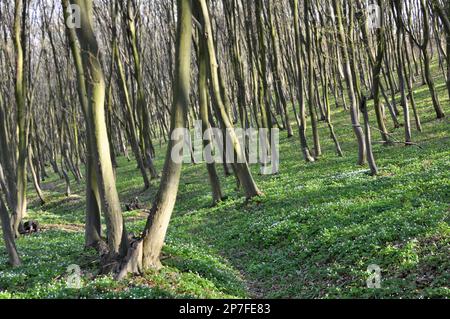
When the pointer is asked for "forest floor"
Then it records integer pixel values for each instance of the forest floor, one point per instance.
(312, 235)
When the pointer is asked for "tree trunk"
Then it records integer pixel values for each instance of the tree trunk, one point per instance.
(125, 96)
(426, 61)
(161, 212)
(116, 233)
(241, 167)
(21, 170)
(381, 48)
(401, 79)
(93, 203)
(34, 176)
(310, 87)
(350, 84)
(301, 116)
(8, 235)
(204, 114)
(370, 158)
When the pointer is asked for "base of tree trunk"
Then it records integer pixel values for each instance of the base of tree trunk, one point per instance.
(132, 263)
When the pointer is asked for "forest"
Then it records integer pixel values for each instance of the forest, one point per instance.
(224, 149)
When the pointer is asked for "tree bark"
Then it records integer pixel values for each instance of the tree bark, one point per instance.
(370, 157)
(161, 212)
(310, 87)
(116, 233)
(401, 79)
(381, 48)
(301, 116)
(93, 203)
(204, 114)
(426, 61)
(21, 170)
(8, 235)
(350, 84)
(241, 167)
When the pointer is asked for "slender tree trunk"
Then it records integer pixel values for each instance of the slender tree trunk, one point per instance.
(125, 96)
(427, 62)
(21, 170)
(93, 203)
(116, 234)
(310, 87)
(241, 167)
(370, 157)
(161, 212)
(381, 48)
(277, 70)
(34, 176)
(401, 79)
(302, 128)
(204, 110)
(444, 15)
(409, 84)
(350, 84)
(141, 99)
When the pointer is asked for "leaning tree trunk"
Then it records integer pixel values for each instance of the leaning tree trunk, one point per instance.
(426, 61)
(350, 83)
(204, 114)
(34, 176)
(93, 204)
(241, 166)
(161, 212)
(95, 87)
(444, 15)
